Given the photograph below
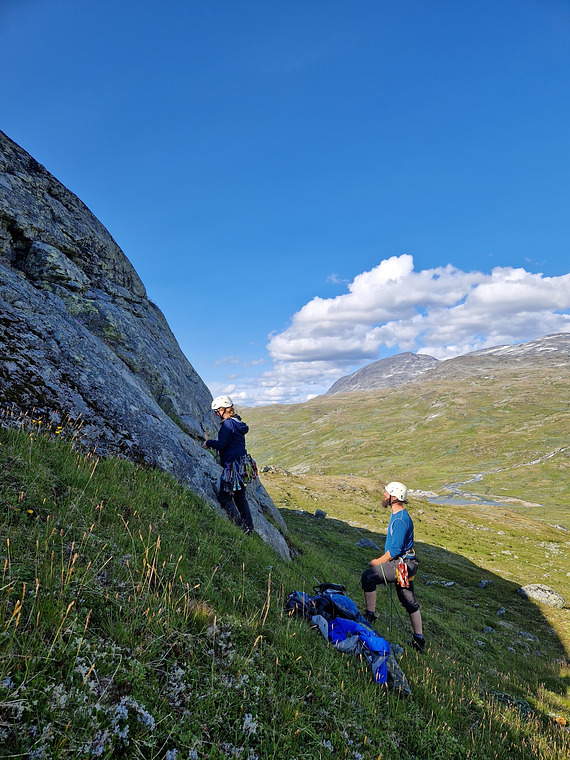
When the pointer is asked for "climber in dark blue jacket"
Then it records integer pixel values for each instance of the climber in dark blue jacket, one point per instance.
(239, 467)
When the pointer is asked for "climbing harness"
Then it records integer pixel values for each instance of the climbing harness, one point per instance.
(238, 473)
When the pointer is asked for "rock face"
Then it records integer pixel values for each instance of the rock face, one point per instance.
(385, 373)
(543, 594)
(80, 339)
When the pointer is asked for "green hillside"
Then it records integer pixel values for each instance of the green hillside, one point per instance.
(512, 424)
(137, 623)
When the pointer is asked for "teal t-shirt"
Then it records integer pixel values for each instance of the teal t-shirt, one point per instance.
(400, 535)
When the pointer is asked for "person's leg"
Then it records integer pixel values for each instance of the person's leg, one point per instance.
(416, 620)
(408, 600)
(372, 577)
(370, 601)
(227, 503)
(242, 505)
(414, 607)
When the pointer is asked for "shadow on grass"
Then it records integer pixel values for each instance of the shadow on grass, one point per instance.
(471, 616)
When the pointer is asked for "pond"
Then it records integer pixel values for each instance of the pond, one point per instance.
(458, 501)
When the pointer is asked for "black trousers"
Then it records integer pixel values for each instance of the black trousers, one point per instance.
(236, 506)
(386, 573)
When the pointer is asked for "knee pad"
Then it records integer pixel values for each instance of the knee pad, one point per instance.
(409, 601)
(369, 580)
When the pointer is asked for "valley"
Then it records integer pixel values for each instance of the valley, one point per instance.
(499, 435)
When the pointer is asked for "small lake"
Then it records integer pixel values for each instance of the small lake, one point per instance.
(456, 501)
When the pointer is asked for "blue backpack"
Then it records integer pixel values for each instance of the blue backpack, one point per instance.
(329, 601)
(299, 603)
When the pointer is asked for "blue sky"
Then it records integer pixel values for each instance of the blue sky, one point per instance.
(307, 186)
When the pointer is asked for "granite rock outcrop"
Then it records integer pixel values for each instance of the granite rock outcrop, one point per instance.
(80, 340)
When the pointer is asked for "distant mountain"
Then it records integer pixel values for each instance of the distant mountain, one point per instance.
(395, 371)
(550, 344)
(495, 419)
(385, 373)
(552, 350)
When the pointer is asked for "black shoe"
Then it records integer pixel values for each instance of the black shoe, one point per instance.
(369, 616)
(418, 643)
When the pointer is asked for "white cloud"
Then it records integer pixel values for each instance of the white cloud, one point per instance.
(394, 306)
(391, 293)
(288, 382)
(443, 312)
(228, 360)
(336, 280)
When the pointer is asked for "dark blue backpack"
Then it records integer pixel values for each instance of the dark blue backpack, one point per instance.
(343, 605)
(299, 603)
(329, 600)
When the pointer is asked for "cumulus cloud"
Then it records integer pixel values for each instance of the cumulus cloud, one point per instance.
(284, 383)
(443, 312)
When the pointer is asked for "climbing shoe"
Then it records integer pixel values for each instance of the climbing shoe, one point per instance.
(369, 616)
(418, 643)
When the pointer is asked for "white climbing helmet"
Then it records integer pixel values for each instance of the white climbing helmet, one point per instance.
(397, 490)
(222, 402)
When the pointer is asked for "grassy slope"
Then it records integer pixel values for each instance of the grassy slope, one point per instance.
(435, 432)
(135, 622)
(491, 542)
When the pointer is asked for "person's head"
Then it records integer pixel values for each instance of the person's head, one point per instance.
(223, 406)
(394, 492)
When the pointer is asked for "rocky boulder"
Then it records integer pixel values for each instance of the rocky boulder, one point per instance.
(79, 339)
(543, 594)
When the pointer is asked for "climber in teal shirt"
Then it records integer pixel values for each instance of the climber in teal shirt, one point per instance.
(398, 548)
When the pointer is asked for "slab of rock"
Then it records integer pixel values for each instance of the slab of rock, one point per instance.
(544, 594)
(367, 543)
(79, 339)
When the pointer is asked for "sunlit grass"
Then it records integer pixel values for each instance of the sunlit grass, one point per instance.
(512, 424)
(136, 622)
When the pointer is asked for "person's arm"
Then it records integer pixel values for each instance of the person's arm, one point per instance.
(223, 438)
(396, 540)
(386, 557)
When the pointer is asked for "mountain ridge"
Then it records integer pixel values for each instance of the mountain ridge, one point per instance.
(499, 424)
(394, 371)
(384, 373)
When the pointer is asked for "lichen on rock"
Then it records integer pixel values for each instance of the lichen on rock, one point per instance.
(79, 338)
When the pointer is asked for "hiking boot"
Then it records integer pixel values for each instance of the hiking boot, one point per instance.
(369, 616)
(418, 643)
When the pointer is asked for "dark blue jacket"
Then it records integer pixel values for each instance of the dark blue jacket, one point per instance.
(231, 440)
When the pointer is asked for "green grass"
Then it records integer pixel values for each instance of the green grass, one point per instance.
(432, 433)
(137, 623)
